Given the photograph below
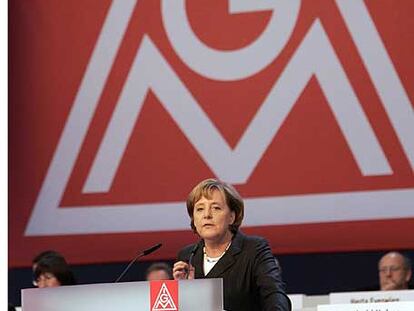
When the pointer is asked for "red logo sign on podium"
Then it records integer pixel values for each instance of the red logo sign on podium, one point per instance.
(164, 295)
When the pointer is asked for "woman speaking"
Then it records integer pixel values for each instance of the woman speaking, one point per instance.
(251, 275)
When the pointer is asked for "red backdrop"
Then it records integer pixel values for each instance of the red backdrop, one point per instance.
(51, 47)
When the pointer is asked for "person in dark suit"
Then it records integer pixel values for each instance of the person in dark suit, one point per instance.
(251, 275)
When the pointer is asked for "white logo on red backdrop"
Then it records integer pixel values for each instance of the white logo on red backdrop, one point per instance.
(370, 127)
(315, 56)
(164, 300)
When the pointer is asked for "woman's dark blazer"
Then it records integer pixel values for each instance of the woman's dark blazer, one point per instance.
(251, 275)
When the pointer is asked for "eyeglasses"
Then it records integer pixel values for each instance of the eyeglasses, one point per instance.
(390, 269)
(43, 277)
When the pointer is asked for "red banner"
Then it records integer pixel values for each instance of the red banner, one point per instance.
(118, 108)
(164, 295)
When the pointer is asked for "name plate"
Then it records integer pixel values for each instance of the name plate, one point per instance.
(297, 301)
(372, 296)
(384, 306)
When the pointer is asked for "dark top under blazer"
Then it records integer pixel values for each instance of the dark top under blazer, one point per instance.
(251, 275)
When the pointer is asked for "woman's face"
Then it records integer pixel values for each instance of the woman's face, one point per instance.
(47, 280)
(212, 217)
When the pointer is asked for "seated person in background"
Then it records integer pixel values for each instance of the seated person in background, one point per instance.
(159, 271)
(47, 253)
(52, 270)
(394, 271)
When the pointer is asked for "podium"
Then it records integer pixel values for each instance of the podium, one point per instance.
(200, 295)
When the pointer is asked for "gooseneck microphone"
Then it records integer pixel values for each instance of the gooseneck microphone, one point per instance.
(190, 260)
(144, 253)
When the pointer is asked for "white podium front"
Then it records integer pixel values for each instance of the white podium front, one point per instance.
(200, 295)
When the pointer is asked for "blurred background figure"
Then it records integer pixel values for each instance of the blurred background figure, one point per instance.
(394, 271)
(50, 269)
(44, 254)
(159, 271)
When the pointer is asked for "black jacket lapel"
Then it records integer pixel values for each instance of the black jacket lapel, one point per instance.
(198, 261)
(228, 259)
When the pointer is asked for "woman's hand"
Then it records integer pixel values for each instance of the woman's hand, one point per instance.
(182, 271)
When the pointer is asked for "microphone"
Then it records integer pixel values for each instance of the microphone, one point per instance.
(144, 253)
(190, 260)
(151, 249)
